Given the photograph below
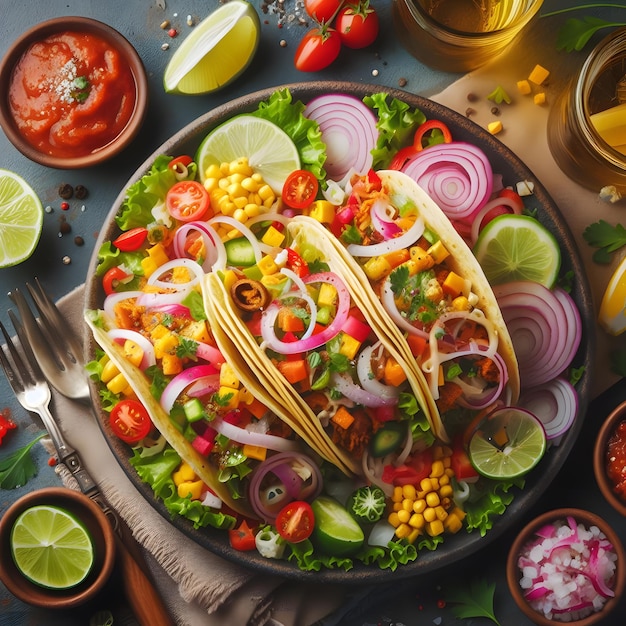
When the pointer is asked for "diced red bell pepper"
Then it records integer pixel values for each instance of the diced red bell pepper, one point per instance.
(374, 181)
(460, 462)
(356, 328)
(242, 538)
(6, 425)
(297, 264)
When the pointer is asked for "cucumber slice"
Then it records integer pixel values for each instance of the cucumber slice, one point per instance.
(387, 439)
(239, 252)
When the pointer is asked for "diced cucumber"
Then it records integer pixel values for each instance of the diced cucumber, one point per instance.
(239, 252)
(194, 410)
(387, 439)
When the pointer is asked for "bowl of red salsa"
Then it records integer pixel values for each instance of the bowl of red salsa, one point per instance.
(609, 459)
(73, 93)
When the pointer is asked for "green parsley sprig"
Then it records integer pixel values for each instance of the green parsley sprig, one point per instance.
(474, 601)
(608, 239)
(18, 468)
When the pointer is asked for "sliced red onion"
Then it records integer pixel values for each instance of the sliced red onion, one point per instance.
(209, 353)
(123, 334)
(244, 436)
(407, 239)
(180, 382)
(509, 205)
(555, 404)
(349, 131)
(204, 385)
(115, 298)
(177, 310)
(545, 329)
(216, 253)
(309, 488)
(382, 221)
(193, 267)
(268, 319)
(456, 175)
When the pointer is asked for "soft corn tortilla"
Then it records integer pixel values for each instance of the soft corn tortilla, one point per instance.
(461, 261)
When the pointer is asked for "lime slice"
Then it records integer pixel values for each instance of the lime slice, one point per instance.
(518, 247)
(218, 50)
(336, 532)
(612, 315)
(21, 219)
(51, 547)
(508, 443)
(269, 149)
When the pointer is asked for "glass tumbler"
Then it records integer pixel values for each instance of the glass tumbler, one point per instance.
(587, 123)
(460, 35)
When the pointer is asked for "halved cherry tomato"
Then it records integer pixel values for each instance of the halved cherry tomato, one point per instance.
(296, 263)
(300, 189)
(187, 201)
(132, 239)
(242, 538)
(295, 521)
(358, 25)
(130, 421)
(317, 49)
(111, 279)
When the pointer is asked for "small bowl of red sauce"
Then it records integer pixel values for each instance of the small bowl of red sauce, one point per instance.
(74, 93)
(566, 566)
(609, 459)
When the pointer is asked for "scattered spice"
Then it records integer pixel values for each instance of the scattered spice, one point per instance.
(66, 191)
(190, 21)
(402, 82)
(172, 32)
(374, 72)
(469, 112)
(472, 97)
(65, 206)
(66, 260)
(165, 24)
(48, 209)
(79, 241)
(52, 461)
(283, 43)
(80, 191)
(165, 46)
(64, 227)
(6, 424)
(495, 111)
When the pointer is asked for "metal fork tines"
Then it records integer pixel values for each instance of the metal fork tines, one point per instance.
(33, 393)
(57, 348)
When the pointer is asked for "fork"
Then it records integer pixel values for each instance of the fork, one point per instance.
(58, 352)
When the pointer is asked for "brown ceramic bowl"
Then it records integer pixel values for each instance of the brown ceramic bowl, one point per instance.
(129, 57)
(514, 574)
(100, 529)
(599, 458)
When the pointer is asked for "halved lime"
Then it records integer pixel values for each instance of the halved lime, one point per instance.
(336, 532)
(51, 547)
(507, 443)
(218, 50)
(21, 219)
(269, 149)
(518, 247)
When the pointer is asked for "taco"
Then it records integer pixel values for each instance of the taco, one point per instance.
(292, 315)
(405, 260)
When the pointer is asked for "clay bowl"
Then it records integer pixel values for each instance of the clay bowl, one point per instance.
(100, 529)
(129, 58)
(527, 534)
(599, 458)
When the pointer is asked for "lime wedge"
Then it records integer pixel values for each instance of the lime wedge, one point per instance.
(218, 50)
(518, 247)
(268, 148)
(508, 443)
(51, 547)
(336, 532)
(21, 219)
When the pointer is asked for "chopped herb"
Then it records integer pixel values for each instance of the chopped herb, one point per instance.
(475, 601)
(18, 468)
(499, 95)
(186, 348)
(606, 238)
(351, 234)
(80, 89)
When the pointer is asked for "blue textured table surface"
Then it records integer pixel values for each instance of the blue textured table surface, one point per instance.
(384, 64)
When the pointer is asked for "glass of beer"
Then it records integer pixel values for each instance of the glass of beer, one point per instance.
(587, 123)
(460, 35)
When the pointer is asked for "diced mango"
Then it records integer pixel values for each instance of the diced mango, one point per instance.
(523, 86)
(327, 295)
(438, 251)
(377, 268)
(273, 237)
(228, 376)
(171, 364)
(255, 452)
(267, 265)
(349, 346)
(539, 98)
(323, 211)
(193, 489)
(538, 75)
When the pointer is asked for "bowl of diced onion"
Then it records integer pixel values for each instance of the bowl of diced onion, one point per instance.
(567, 565)
(609, 459)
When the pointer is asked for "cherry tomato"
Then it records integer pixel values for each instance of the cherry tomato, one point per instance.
(242, 538)
(300, 189)
(460, 462)
(130, 421)
(318, 49)
(295, 521)
(358, 25)
(187, 201)
(131, 240)
(296, 263)
(322, 10)
(179, 164)
(111, 279)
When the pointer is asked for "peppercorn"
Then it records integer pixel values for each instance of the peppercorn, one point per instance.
(64, 227)
(65, 206)
(79, 241)
(495, 110)
(66, 191)
(80, 192)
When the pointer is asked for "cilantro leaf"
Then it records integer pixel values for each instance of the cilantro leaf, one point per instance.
(575, 33)
(18, 468)
(606, 238)
(474, 601)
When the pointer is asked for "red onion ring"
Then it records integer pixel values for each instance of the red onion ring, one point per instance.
(213, 244)
(178, 384)
(545, 329)
(349, 131)
(456, 175)
(555, 404)
(382, 221)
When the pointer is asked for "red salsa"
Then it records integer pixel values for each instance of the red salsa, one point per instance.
(616, 460)
(71, 94)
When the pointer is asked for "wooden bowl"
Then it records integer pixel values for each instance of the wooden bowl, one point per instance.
(100, 529)
(514, 574)
(599, 458)
(129, 58)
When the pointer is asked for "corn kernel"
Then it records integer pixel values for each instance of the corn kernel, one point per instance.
(393, 519)
(426, 485)
(397, 506)
(429, 514)
(441, 513)
(184, 473)
(495, 127)
(109, 371)
(117, 384)
(265, 192)
(413, 535)
(452, 523)
(419, 505)
(408, 491)
(417, 521)
(446, 491)
(432, 499)
(398, 494)
(404, 516)
(407, 504)
(539, 98)
(403, 531)
(435, 528)
(436, 469)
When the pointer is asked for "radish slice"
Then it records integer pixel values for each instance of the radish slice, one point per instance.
(349, 131)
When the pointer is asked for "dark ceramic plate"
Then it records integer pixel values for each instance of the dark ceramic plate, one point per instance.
(513, 170)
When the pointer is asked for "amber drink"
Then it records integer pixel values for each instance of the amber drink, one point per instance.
(587, 124)
(460, 35)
